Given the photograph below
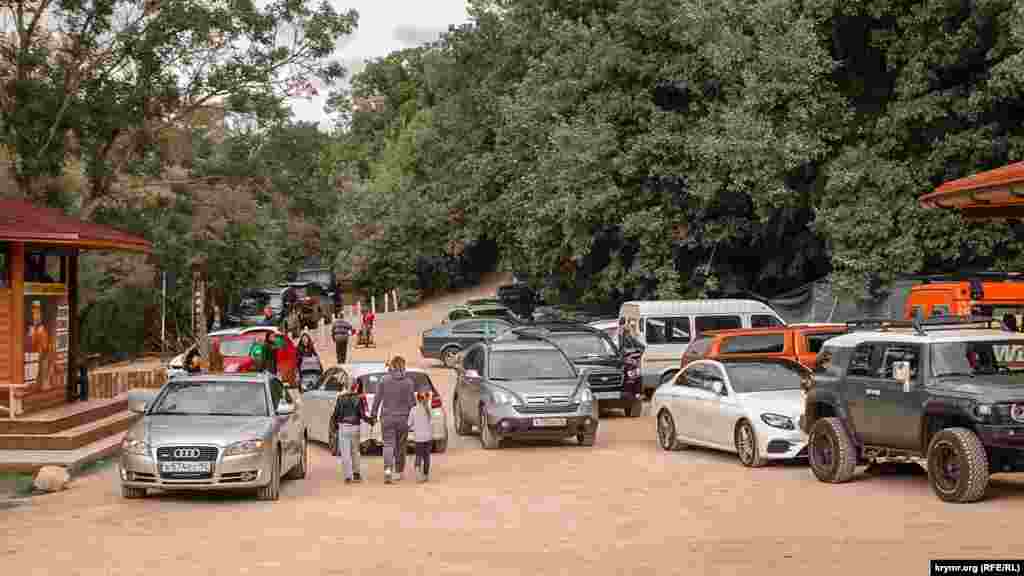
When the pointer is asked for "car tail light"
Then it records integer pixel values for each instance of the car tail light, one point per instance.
(436, 401)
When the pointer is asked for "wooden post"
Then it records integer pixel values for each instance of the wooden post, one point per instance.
(199, 311)
(17, 265)
(73, 341)
(394, 298)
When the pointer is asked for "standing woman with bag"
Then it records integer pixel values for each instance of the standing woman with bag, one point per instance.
(349, 412)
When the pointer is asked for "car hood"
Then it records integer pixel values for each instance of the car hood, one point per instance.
(602, 362)
(217, 430)
(785, 402)
(523, 388)
(989, 387)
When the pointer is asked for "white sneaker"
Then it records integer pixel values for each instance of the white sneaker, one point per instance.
(387, 475)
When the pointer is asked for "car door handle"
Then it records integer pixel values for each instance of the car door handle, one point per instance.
(872, 392)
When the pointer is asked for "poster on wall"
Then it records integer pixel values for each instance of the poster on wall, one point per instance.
(47, 316)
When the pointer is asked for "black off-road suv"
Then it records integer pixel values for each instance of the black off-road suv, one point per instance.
(614, 377)
(946, 393)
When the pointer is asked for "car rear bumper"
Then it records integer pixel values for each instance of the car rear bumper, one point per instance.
(229, 473)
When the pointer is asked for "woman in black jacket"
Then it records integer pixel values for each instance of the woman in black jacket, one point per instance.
(349, 412)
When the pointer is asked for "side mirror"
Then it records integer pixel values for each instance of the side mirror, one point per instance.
(139, 400)
(901, 373)
(472, 374)
(718, 387)
(285, 409)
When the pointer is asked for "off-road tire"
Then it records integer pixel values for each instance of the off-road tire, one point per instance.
(272, 491)
(839, 467)
(439, 446)
(448, 356)
(462, 428)
(635, 409)
(130, 493)
(666, 431)
(587, 439)
(300, 469)
(487, 437)
(753, 459)
(973, 464)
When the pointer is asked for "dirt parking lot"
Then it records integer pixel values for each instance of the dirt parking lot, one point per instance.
(621, 507)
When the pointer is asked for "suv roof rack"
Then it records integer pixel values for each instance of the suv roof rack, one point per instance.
(975, 276)
(922, 327)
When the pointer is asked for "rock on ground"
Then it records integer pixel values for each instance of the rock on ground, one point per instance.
(51, 479)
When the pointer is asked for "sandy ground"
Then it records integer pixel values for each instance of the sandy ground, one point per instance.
(621, 507)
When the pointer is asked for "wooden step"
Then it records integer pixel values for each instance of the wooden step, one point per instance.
(64, 417)
(72, 438)
(29, 461)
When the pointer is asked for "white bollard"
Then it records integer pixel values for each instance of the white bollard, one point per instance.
(373, 304)
(394, 297)
(385, 302)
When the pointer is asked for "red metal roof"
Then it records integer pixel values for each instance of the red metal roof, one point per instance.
(22, 221)
(1000, 187)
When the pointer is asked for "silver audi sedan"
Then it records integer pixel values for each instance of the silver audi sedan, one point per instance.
(215, 432)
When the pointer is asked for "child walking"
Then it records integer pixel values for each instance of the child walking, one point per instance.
(423, 434)
(349, 411)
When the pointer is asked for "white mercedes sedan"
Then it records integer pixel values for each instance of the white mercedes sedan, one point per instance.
(749, 407)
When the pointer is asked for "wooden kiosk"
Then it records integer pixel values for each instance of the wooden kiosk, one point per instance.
(39, 250)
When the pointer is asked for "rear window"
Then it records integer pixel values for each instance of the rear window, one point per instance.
(815, 342)
(368, 383)
(530, 365)
(667, 330)
(764, 321)
(754, 344)
(705, 323)
(237, 347)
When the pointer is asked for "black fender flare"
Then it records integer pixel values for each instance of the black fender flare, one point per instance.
(940, 407)
(829, 399)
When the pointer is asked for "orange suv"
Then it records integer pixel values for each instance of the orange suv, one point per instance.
(798, 342)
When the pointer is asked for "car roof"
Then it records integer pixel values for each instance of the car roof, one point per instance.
(852, 339)
(557, 328)
(462, 321)
(709, 306)
(747, 360)
(252, 377)
(518, 345)
(357, 369)
(776, 329)
(246, 330)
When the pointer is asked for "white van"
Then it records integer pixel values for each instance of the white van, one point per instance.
(666, 327)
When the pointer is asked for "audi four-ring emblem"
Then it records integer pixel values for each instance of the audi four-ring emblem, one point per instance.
(186, 452)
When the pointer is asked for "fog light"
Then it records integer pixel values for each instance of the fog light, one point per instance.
(505, 424)
(124, 475)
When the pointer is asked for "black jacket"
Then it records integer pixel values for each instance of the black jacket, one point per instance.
(350, 409)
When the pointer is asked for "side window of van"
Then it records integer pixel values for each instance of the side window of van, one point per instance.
(764, 321)
(668, 330)
(705, 323)
(940, 310)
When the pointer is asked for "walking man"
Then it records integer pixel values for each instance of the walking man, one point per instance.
(341, 330)
(395, 398)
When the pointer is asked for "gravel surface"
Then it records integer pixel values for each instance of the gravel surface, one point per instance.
(621, 507)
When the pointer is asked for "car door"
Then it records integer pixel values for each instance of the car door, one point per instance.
(468, 333)
(686, 396)
(897, 411)
(469, 388)
(721, 411)
(861, 377)
(320, 404)
(284, 424)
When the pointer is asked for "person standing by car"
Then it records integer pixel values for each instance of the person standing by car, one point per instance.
(341, 330)
(394, 399)
(368, 319)
(264, 353)
(349, 412)
(423, 433)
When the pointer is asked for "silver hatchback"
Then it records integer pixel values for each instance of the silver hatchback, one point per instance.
(215, 432)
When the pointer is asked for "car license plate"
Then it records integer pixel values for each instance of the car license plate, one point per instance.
(606, 395)
(186, 467)
(549, 422)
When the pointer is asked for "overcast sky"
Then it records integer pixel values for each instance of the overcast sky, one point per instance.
(385, 26)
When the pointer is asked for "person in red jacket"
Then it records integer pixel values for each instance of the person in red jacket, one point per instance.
(368, 319)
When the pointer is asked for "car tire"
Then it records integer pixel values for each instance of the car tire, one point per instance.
(272, 491)
(448, 356)
(439, 446)
(300, 469)
(130, 493)
(462, 428)
(831, 452)
(961, 450)
(667, 438)
(635, 409)
(746, 445)
(487, 437)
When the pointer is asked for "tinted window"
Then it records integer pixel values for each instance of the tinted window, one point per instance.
(763, 377)
(213, 397)
(667, 330)
(754, 344)
(815, 342)
(900, 353)
(584, 345)
(860, 363)
(492, 313)
(764, 321)
(989, 357)
(941, 310)
(237, 347)
(705, 323)
(477, 326)
(824, 362)
(459, 315)
(692, 377)
(529, 365)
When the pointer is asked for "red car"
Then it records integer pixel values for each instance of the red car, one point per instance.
(235, 344)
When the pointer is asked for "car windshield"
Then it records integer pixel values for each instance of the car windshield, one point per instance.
(237, 347)
(530, 365)
(585, 345)
(978, 357)
(368, 383)
(763, 377)
(213, 397)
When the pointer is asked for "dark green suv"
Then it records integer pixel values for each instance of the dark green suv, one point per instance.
(946, 393)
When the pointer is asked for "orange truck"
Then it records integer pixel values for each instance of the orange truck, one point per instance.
(798, 342)
(996, 295)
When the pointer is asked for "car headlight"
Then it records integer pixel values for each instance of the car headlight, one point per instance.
(778, 421)
(585, 396)
(503, 397)
(254, 446)
(135, 446)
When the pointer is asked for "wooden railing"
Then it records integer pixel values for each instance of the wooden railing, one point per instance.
(13, 407)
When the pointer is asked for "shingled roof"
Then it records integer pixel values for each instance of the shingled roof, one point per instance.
(22, 221)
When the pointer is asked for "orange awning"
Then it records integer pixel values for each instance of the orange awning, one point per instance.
(994, 194)
(22, 221)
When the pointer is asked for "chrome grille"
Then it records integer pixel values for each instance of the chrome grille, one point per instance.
(542, 400)
(605, 381)
(199, 453)
(546, 408)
